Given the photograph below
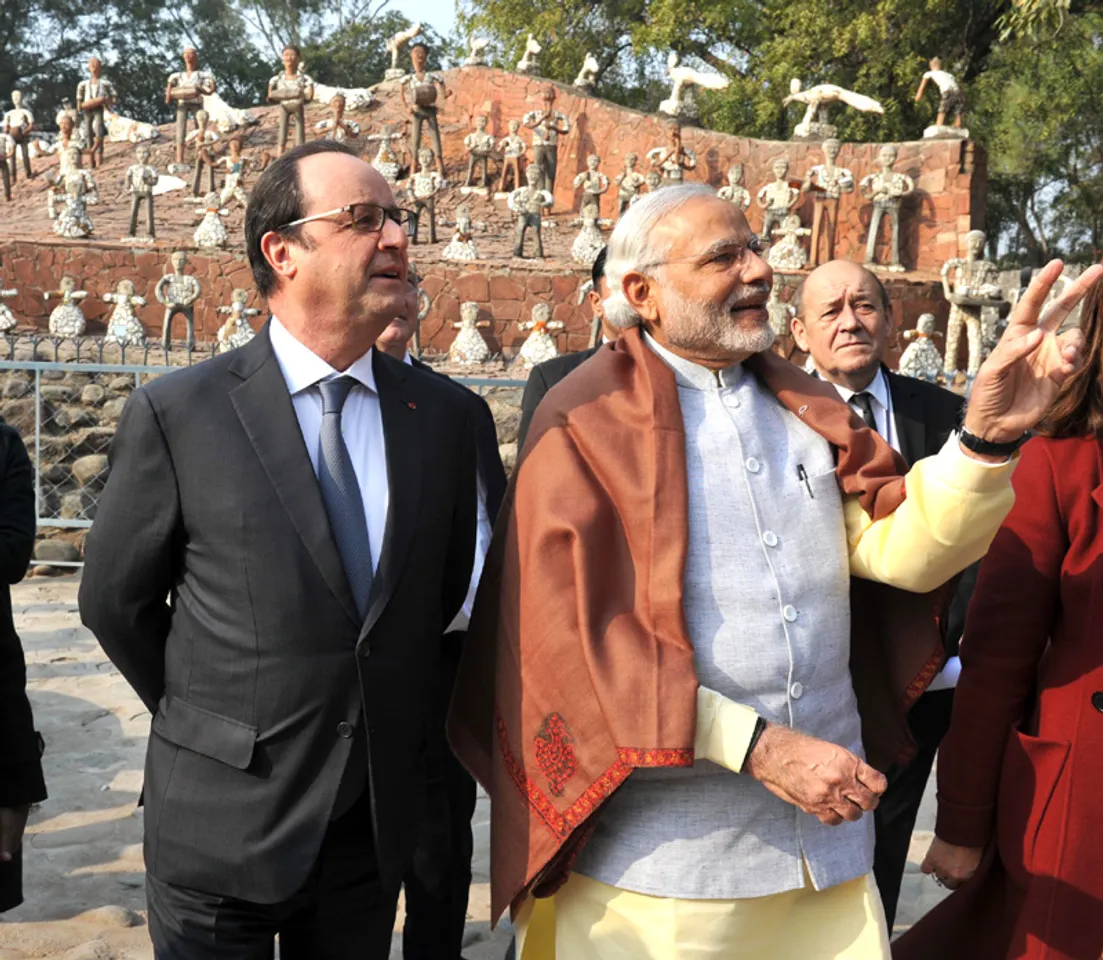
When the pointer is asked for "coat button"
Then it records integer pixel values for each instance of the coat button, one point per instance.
(796, 691)
(769, 538)
(344, 730)
(789, 612)
(1097, 701)
(753, 465)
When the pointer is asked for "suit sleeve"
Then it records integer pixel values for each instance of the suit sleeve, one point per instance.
(130, 553)
(1013, 612)
(535, 388)
(461, 536)
(17, 510)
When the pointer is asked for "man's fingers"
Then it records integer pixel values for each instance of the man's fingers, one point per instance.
(1054, 314)
(873, 780)
(1011, 351)
(1030, 304)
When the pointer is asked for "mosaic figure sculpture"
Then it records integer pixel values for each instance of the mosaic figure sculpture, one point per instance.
(205, 138)
(18, 125)
(777, 198)
(546, 126)
(970, 284)
(7, 318)
(177, 292)
(734, 191)
(185, 90)
(211, 232)
(67, 318)
(78, 193)
(529, 64)
(780, 313)
(126, 130)
(236, 331)
(419, 94)
(589, 242)
(480, 145)
(593, 183)
(462, 245)
(921, 358)
(788, 253)
(469, 347)
(529, 203)
(227, 119)
(628, 183)
(814, 125)
(123, 326)
(141, 178)
(886, 188)
(514, 152)
(292, 90)
(951, 102)
(653, 181)
(586, 80)
(395, 46)
(539, 346)
(233, 187)
(475, 52)
(336, 127)
(356, 98)
(7, 157)
(682, 103)
(94, 96)
(673, 159)
(67, 136)
(386, 160)
(424, 187)
(827, 183)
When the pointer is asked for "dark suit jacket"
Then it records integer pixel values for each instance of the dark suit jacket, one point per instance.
(257, 662)
(20, 768)
(541, 379)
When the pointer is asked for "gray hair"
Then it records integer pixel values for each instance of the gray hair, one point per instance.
(632, 248)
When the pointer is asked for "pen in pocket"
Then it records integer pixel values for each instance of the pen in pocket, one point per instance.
(802, 477)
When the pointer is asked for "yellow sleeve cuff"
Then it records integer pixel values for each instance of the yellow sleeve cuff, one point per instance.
(724, 730)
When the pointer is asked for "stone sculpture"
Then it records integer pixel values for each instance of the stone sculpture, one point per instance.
(788, 254)
(78, 193)
(94, 96)
(7, 318)
(970, 284)
(780, 313)
(292, 90)
(337, 127)
(546, 126)
(185, 90)
(735, 192)
(18, 125)
(67, 318)
(126, 130)
(226, 118)
(921, 358)
(539, 346)
(141, 178)
(886, 189)
(589, 242)
(480, 145)
(814, 125)
(682, 103)
(236, 331)
(67, 136)
(123, 326)
(469, 347)
(7, 156)
(593, 183)
(356, 98)
(586, 80)
(475, 56)
(419, 94)
(529, 64)
(827, 183)
(211, 232)
(233, 187)
(386, 160)
(529, 203)
(777, 198)
(178, 291)
(424, 187)
(462, 245)
(653, 181)
(394, 48)
(514, 154)
(951, 102)
(628, 183)
(205, 138)
(672, 160)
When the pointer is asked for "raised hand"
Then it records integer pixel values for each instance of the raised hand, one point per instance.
(1020, 379)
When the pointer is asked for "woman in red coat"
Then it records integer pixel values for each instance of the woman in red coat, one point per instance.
(1020, 774)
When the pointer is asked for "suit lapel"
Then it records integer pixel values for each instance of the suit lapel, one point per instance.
(907, 412)
(403, 437)
(264, 407)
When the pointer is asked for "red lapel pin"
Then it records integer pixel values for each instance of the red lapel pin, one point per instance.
(411, 404)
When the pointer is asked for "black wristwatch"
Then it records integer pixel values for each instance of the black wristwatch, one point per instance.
(759, 729)
(988, 448)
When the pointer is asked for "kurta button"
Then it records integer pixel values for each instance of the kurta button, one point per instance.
(1097, 701)
(796, 691)
(753, 466)
(731, 400)
(789, 613)
(344, 730)
(769, 538)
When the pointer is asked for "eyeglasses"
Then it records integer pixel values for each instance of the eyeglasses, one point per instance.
(363, 217)
(724, 254)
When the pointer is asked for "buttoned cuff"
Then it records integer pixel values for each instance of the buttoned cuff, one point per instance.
(957, 469)
(964, 826)
(724, 730)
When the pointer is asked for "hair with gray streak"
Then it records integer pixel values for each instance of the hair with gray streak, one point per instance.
(633, 250)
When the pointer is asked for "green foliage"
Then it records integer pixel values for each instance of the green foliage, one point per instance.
(356, 56)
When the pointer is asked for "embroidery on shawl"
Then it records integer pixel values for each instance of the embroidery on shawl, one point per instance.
(555, 753)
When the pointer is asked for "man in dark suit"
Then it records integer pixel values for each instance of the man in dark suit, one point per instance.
(546, 375)
(843, 322)
(21, 782)
(439, 881)
(307, 506)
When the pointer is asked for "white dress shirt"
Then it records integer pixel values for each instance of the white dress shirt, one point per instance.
(361, 422)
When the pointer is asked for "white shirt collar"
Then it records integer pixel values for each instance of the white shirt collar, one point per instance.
(407, 359)
(302, 368)
(693, 375)
(878, 389)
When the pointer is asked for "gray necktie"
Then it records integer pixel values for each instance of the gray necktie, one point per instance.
(341, 492)
(864, 402)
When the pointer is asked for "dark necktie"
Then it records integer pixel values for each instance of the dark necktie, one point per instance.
(341, 493)
(864, 402)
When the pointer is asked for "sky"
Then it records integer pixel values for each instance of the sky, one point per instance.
(440, 14)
